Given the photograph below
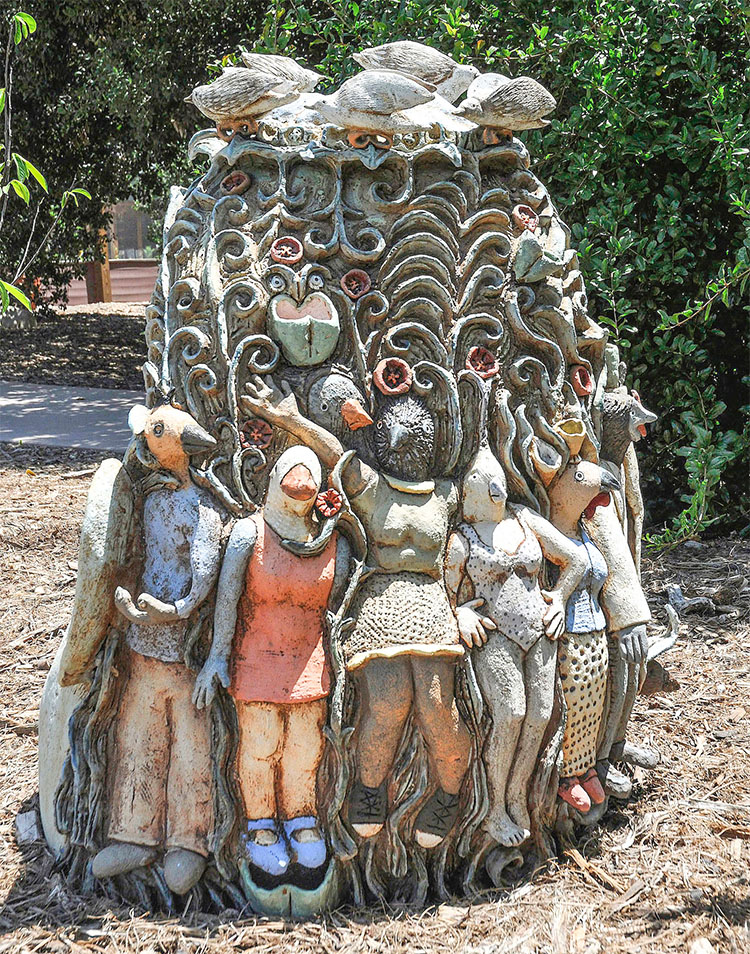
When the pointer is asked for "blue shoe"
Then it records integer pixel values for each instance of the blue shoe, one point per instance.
(306, 841)
(265, 847)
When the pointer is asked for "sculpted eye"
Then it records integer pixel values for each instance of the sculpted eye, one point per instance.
(277, 283)
(379, 425)
(158, 430)
(316, 282)
(579, 476)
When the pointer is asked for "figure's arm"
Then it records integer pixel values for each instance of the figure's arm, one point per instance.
(471, 625)
(341, 573)
(558, 549)
(457, 553)
(279, 406)
(231, 583)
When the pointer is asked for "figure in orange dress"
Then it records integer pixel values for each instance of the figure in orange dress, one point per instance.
(268, 649)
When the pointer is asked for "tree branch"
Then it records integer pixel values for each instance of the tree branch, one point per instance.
(8, 84)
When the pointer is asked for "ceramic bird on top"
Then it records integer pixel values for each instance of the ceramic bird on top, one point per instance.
(451, 79)
(285, 68)
(373, 102)
(507, 105)
(236, 99)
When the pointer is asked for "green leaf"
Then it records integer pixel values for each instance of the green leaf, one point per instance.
(2, 99)
(7, 289)
(21, 190)
(21, 167)
(38, 175)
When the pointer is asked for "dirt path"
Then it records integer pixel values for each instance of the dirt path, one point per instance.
(95, 346)
(668, 872)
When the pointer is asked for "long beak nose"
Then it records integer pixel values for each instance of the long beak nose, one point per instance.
(398, 436)
(608, 481)
(299, 483)
(497, 490)
(195, 440)
(297, 288)
(354, 415)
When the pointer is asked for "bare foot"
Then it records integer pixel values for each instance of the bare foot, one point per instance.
(519, 813)
(506, 832)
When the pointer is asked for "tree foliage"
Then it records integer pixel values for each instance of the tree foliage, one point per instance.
(647, 159)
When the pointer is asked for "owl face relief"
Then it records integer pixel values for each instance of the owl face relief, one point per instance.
(301, 318)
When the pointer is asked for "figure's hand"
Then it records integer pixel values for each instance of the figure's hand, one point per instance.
(263, 398)
(156, 611)
(634, 644)
(127, 608)
(214, 671)
(473, 627)
(554, 615)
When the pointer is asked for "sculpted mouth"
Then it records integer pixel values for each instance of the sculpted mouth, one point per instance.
(308, 332)
(317, 305)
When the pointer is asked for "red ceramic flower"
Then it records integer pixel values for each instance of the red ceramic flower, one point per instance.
(235, 182)
(392, 376)
(581, 380)
(525, 217)
(482, 361)
(286, 250)
(328, 503)
(256, 433)
(355, 283)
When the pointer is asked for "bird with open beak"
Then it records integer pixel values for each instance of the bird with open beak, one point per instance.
(574, 490)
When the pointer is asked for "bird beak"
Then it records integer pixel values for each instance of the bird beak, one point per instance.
(195, 440)
(354, 415)
(398, 436)
(497, 490)
(608, 481)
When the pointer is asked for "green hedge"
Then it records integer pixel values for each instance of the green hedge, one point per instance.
(647, 160)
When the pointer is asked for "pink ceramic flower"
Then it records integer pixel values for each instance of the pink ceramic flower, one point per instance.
(392, 376)
(355, 283)
(286, 250)
(256, 433)
(235, 182)
(482, 361)
(525, 217)
(581, 380)
(328, 503)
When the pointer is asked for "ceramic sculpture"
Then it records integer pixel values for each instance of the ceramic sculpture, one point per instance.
(358, 616)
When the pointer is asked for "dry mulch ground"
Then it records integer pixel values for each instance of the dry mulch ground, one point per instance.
(669, 871)
(95, 346)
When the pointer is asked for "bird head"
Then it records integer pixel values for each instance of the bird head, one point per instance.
(469, 107)
(172, 435)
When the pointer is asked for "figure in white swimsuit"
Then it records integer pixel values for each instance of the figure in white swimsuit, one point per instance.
(494, 562)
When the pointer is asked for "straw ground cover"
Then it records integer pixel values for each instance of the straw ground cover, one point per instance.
(669, 871)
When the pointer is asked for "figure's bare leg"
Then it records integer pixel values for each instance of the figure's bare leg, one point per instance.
(448, 744)
(539, 672)
(297, 796)
(499, 668)
(261, 737)
(386, 695)
(301, 755)
(635, 674)
(615, 702)
(445, 733)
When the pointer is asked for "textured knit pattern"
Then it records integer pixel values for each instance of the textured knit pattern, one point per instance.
(400, 611)
(583, 671)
